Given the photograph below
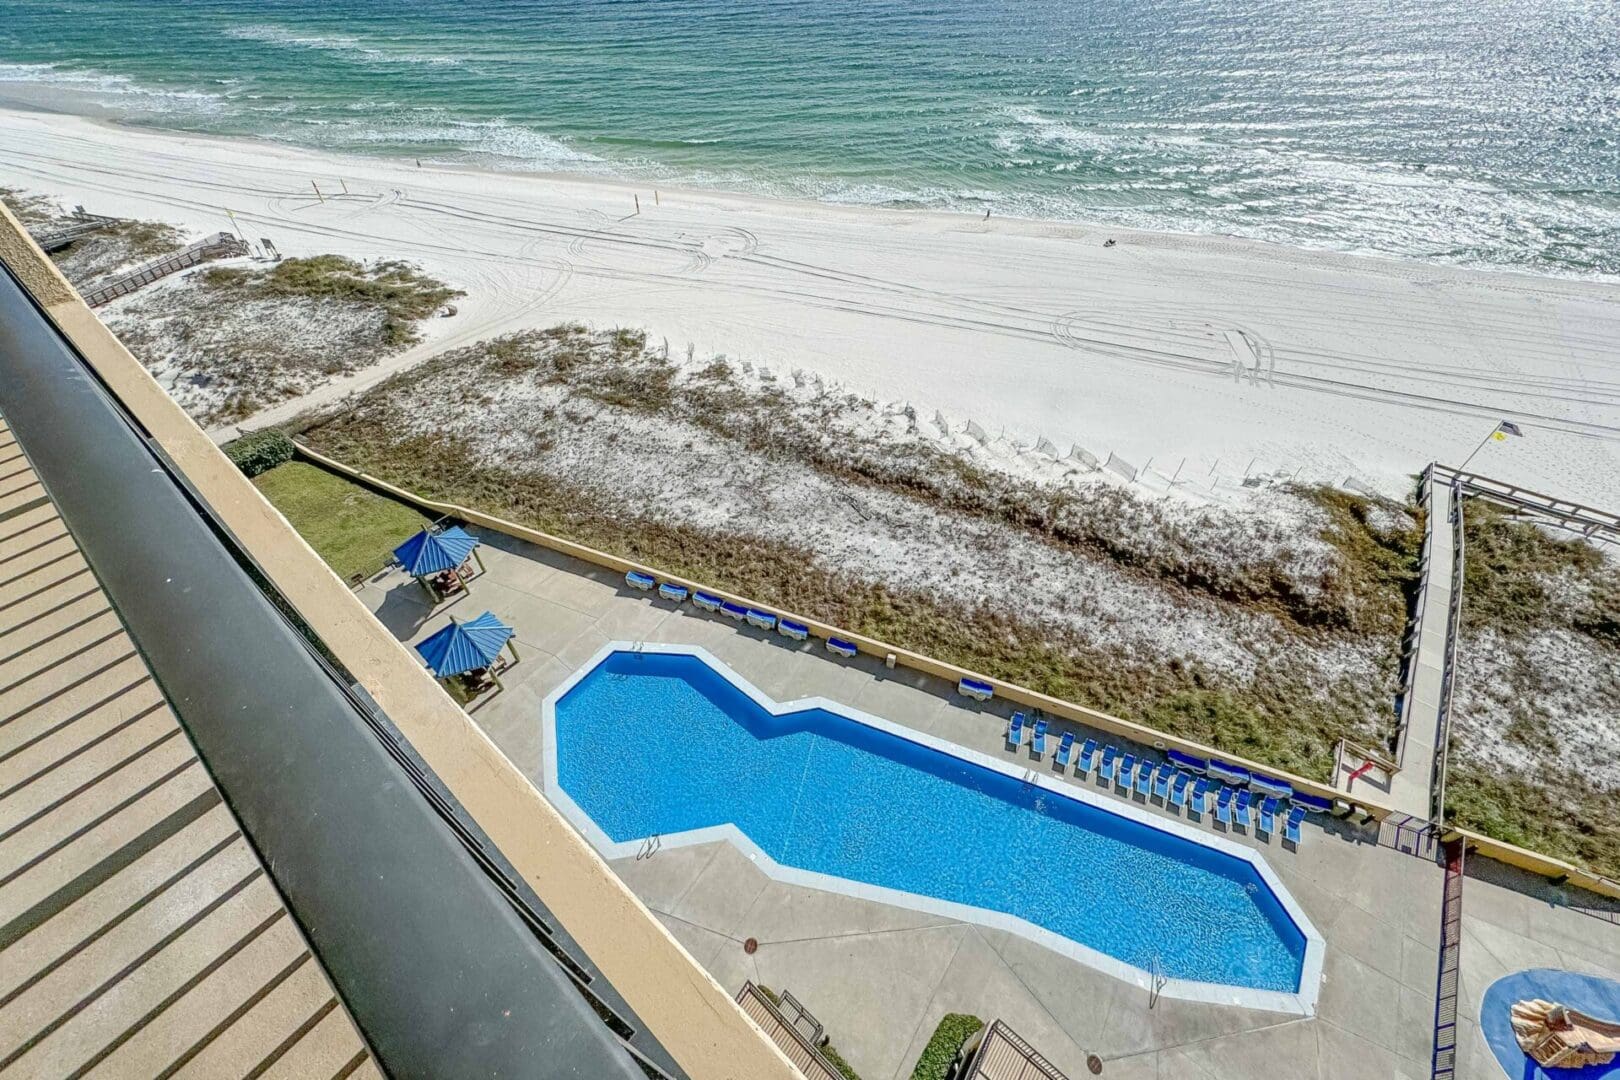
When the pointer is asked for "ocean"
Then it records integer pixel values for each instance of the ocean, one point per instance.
(1476, 132)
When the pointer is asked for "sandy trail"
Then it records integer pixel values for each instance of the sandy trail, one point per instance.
(1200, 354)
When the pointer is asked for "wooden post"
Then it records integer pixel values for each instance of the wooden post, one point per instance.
(345, 184)
(479, 558)
(511, 643)
(317, 188)
(638, 202)
(655, 196)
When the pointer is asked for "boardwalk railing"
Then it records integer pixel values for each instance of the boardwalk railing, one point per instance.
(56, 239)
(1002, 1052)
(1589, 521)
(219, 246)
(806, 1056)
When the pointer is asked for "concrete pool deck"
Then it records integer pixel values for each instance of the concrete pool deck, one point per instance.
(880, 977)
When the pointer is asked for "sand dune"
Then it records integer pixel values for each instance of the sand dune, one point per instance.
(1203, 355)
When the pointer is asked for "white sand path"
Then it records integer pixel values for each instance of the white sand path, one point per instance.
(1199, 353)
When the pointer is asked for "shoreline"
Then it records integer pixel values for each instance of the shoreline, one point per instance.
(107, 118)
(1219, 357)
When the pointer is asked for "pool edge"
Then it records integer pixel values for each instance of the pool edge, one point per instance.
(1299, 1003)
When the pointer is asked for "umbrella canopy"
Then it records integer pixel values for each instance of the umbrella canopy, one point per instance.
(463, 646)
(429, 552)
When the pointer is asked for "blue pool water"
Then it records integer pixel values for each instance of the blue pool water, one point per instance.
(657, 744)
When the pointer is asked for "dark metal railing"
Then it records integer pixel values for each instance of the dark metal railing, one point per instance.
(432, 943)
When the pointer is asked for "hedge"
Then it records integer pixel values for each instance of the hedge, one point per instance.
(260, 451)
(937, 1057)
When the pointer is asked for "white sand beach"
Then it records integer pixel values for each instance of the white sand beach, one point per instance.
(1198, 356)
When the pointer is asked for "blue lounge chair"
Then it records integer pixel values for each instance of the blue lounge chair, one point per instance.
(790, 629)
(977, 689)
(1038, 742)
(1105, 770)
(1088, 754)
(670, 591)
(733, 611)
(707, 602)
(1065, 750)
(637, 580)
(1266, 785)
(840, 647)
(1291, 826)
(1178, 790)
(1200, 793)
(1242, 809)
(1223, 807)
(764, 620)
(1268, 815)
(1312, 804)
(1015, 730)
(1161, 780)
(1187, 761)
(1126, 768)
(1144, 776)
(1233, 775)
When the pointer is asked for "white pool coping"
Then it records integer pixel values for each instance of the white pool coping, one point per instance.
(1299, 1003)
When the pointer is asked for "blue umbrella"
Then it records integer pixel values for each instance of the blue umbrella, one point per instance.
(429, 552)
(464, 646)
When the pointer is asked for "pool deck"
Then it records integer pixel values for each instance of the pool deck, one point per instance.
(880, 977)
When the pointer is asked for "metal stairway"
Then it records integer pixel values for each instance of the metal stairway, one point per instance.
(79, 225)
(1448, 983)
(219, 246)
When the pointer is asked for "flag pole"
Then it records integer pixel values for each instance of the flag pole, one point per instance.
(1480, 447)
(1500, 432)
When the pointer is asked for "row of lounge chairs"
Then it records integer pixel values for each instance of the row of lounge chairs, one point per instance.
(1229, 794)
(762, 620)
(977, 689)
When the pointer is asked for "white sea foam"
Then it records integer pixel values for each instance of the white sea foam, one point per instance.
(514, 147)
(119, 89)
(344, 45)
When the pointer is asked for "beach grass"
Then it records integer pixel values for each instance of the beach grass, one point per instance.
(1283, 716)
(352, 528)
(1532, 600)
(398, 289)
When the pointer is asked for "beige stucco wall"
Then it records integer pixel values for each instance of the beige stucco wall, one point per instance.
(691, 1015)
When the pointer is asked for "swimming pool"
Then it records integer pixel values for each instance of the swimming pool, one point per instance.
(665, 741)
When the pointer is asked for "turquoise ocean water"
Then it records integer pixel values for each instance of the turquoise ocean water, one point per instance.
(1477, 132)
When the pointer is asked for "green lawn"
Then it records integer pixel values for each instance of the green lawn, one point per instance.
(352, 528)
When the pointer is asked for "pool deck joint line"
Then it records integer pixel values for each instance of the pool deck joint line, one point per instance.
(1300, 1003)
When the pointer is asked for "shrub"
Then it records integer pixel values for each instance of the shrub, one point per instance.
(954, 1030)
(261, 451)
(397, 289)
